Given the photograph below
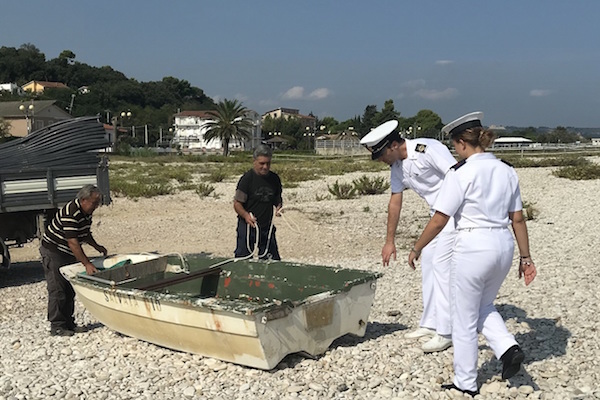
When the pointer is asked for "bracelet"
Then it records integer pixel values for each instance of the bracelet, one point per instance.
(418, 253)
(523, 257)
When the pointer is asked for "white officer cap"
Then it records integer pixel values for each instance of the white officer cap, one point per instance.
(380, 137)
(467, 121)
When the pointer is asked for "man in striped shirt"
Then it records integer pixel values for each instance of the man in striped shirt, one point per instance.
(61, 245)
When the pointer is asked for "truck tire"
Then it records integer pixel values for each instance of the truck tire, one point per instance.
(4, 254)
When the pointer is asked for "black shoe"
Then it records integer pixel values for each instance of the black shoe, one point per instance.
(61, 332)
(511, 361)
(450, 386)
(77, 328)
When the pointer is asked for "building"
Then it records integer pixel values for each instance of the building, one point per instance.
(287, 113)
(35, 115)
(508, 141)
(595, 141)
(13, 88)
(40, 86)
(191, 126)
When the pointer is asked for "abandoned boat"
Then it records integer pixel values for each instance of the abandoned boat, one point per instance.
(252, 313)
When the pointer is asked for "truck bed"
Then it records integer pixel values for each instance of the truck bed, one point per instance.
(48, 188)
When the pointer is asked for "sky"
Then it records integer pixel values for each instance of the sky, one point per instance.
(523, 63)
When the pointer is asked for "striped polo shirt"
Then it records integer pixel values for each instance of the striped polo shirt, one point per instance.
(70, 222)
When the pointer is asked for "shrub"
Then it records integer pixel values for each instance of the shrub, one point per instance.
(530, 211)
(318, 197)
(365, 185)
(578, 173)
(567, 160)
(134, 190)
(187, 186)
(292, 174)
(204, 190)
(178, 173)
(218, 175)
(342, 190)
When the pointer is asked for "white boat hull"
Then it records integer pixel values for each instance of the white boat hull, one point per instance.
(259, 339)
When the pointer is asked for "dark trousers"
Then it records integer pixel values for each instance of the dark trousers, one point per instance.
(61, 296)
(245, 246)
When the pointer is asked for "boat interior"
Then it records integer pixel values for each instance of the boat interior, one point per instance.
(202, 276)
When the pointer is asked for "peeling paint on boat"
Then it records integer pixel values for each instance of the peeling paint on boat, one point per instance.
(248, 312)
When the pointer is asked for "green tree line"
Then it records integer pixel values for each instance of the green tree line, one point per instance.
(154, 103)
(110, 91)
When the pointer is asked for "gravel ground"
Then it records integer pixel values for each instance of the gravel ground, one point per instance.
(555, 319)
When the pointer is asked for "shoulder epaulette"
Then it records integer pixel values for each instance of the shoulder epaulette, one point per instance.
(458, 164)
(420, 148)
(507, 163)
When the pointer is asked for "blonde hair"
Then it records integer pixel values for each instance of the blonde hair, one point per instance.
(476, 136)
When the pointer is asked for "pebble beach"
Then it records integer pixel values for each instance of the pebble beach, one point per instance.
(555, 319)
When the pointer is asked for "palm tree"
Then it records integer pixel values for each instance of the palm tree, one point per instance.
(230, 123)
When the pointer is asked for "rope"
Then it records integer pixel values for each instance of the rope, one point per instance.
(254, 251)
(295, 229)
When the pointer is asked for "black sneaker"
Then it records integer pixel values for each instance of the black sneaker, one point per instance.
(511, 361)
(61, 332)
(450, 386)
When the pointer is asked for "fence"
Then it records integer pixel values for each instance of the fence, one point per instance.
(346, 147)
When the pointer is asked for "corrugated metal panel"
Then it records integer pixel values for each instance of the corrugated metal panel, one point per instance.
(74, 182)
(24, 186)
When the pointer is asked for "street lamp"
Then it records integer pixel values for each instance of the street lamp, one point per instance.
(413, 129)
(115, 122)
(308, 134)
(28, 110)
(127, 114)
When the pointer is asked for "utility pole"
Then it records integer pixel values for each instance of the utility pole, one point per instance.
(71, 105)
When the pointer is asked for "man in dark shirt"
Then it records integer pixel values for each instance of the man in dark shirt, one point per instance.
(61, 245)
(258, 192)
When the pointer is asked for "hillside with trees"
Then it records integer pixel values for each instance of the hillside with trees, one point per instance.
(110, 91)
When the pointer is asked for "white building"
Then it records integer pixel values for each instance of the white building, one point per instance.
(595, 141)
(507, 141)
(12, 88)
(191, 127)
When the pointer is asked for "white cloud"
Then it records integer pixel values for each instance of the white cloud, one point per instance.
(240, 97)
(431, 94)
(444, 62)
(319, 94)
(416, 83)
(540, 92)
(295, 93)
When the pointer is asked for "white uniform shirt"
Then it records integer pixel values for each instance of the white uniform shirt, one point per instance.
(423, 170)
(480, 193)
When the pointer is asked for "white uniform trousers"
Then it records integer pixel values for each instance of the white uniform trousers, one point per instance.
(480, 263)
(427, 285)
(442, 261)
(435, 273)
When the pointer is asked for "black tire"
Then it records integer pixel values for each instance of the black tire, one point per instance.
(4, 253)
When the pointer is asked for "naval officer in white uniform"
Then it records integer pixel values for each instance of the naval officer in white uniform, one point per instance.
(483, 195)
(420, 165)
